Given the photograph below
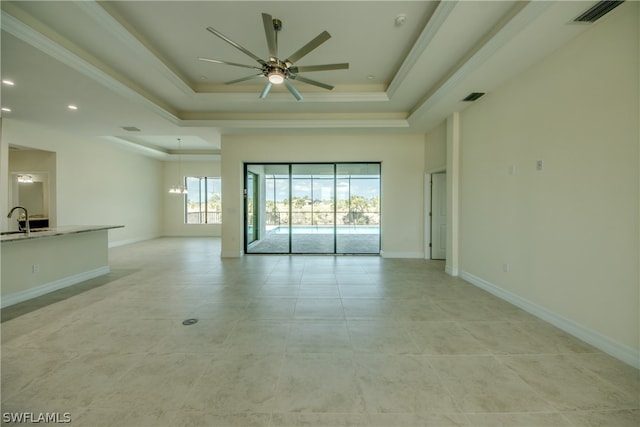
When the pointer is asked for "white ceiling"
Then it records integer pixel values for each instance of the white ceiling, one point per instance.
(134, 63)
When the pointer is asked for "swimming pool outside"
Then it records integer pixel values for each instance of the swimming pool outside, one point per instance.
(326, 229)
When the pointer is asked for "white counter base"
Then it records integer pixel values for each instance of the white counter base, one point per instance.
(49, 261)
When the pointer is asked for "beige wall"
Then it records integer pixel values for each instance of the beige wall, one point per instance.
(174, 204)
(435, 153)
(570, 232)
(402, 160)
(96, 184)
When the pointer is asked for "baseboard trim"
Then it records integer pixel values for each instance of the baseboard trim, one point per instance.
(52, 286)
(387, 254)
(612, 347)
(451, 271)
(130, 241)
(231, 254)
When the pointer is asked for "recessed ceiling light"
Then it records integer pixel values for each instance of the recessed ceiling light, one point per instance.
(72, 107)
(7, 82)
(5, 109)
(371, 77)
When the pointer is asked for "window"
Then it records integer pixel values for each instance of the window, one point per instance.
(203, 204)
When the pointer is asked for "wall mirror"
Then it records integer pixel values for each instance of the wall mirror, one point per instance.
(31, 190)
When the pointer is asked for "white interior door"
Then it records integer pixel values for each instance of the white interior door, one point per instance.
(439, 216)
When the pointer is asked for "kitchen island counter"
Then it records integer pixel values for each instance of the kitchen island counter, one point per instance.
(54, 231)
(51, 259)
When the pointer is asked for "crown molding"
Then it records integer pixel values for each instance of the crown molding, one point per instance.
(521, 15)
(56, 46)
(106, 19)
(430, 30)
(300, 124)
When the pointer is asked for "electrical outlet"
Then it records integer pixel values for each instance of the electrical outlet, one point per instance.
(505, 268)
(539, 165)
(35, 268)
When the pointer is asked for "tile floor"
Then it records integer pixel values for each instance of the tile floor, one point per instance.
(298, 341)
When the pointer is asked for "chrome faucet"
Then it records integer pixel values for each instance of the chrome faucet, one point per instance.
(26, 215)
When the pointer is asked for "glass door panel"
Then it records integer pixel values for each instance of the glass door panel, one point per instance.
(252, 204)
(272, 205)
(312, 208)
(358, 208)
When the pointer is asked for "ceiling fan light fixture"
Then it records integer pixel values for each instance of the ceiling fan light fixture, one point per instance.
(276, 70)
(276, 77)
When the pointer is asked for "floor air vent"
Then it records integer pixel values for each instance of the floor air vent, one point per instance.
(598, 11)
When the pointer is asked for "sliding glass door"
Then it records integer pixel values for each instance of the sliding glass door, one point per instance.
(252, 207)
(271, 231)
(358, 208)
(312, 208)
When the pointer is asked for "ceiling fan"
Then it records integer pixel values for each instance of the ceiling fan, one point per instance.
(276, 70)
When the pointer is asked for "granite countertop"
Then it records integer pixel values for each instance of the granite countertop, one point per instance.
(55, 231)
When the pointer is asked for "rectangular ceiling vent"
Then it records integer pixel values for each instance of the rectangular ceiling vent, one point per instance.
(473, 96)
(598, 10)
(131, 128)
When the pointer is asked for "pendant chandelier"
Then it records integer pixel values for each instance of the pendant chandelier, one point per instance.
(179, 188)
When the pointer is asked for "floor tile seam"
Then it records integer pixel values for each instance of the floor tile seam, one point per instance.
(357, 382)
(414, 343)
(535, 337)
(541, 353)
(468, 416)
(281, 370)
(538, 412)
(464, 324)
(578, 361)
(457, 404)
(534, 390)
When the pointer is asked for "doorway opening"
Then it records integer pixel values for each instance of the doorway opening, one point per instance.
(435, 227)
(312, 208)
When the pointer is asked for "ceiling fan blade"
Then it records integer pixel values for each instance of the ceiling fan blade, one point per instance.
(266, 90)
(242, 79)
(270, 33)
(308, 68)
(234, 44)
(309, 81)
(217, 61)
(293, 90)
(321, 38)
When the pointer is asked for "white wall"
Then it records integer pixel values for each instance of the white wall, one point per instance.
(402, 158)
(97, 184)
(435, 153)
(174, 204)
(570, 233)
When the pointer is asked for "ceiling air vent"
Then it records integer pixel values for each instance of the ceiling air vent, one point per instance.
(598, 10)
(473, 96)
(131, 128)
